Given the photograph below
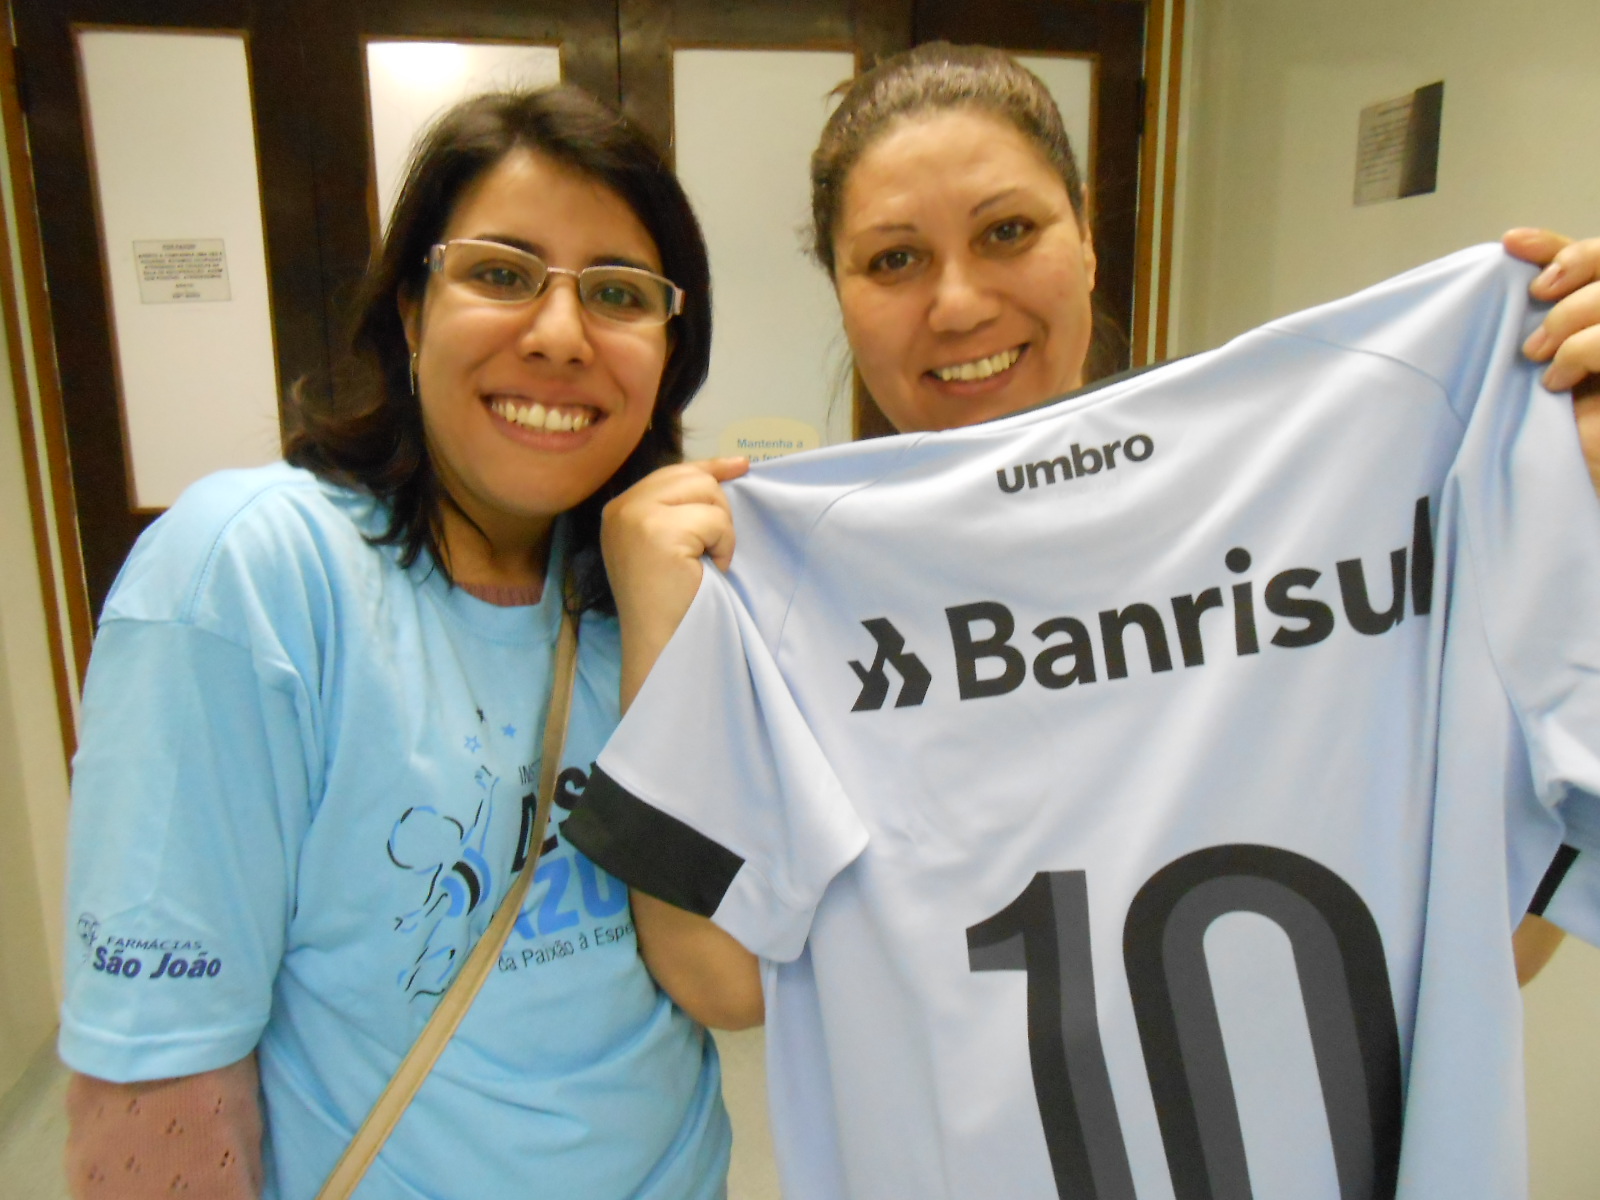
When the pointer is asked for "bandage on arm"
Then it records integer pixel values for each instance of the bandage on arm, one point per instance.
(198, 1136)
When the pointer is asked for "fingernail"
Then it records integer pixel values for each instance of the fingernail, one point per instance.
(1561, 379)
(1549, 277)
(1538, 345)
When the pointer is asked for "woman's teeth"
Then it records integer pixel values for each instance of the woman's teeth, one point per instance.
(537, 416)
(981, 368)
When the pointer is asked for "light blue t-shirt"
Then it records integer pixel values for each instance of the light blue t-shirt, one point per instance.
(303, 784)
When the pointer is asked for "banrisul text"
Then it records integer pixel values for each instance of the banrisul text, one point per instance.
(1287, 610)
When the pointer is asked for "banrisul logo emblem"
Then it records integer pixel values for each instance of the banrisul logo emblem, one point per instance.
(892, 652)
(1077, 462)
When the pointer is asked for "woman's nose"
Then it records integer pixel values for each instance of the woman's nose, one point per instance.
(555, 328)
(961, 300)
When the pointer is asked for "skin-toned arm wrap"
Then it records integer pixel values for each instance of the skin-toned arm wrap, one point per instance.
(198, 1135)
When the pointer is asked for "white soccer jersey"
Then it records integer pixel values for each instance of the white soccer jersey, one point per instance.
(1133, 797)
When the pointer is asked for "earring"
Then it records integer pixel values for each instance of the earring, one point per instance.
(414, 372)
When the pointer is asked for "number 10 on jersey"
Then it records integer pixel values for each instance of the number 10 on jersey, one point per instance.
(1344, 980)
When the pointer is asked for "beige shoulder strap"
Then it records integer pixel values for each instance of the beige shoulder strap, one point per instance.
(430, 1043)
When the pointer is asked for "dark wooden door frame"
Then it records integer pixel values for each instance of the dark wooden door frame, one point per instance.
(650, 30)
(79, 303)
(334, 36)
(40, 424)
(308, 79)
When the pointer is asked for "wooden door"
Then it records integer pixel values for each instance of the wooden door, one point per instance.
(108, 518)
(307, 91)
(334, 37)
(1106, 34)
(649, 31)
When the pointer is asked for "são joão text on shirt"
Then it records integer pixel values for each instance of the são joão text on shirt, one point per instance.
(987, 663)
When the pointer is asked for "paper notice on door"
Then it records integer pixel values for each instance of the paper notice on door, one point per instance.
(179, 272)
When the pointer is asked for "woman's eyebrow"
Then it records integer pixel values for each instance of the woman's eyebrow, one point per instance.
(538, 251)
(621, 260)
(505, 239)
(999, 197)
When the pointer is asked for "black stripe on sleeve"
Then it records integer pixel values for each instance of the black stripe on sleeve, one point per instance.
(649, 850)
(1559, 866)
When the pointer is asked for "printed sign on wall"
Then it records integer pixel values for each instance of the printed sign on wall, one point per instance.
(761, 438)
(1397, 150)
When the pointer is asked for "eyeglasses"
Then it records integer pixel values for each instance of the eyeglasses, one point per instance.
(500, 274)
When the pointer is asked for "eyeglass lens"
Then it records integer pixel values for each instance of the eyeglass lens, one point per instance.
(506, 275)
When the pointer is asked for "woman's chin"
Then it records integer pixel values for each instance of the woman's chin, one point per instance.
(943, 405)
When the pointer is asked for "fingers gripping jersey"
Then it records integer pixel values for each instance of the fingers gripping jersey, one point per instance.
(1133, 797)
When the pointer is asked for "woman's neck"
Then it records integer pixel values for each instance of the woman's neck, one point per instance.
(494, 553)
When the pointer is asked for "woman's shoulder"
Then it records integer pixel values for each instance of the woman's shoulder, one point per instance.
(250, 537)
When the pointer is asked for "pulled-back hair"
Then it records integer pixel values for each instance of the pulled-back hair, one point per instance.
(934, 77)
(370, 433)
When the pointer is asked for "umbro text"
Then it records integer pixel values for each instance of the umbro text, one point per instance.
(1076, 463)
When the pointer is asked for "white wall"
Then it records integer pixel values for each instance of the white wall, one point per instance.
(33, 779)
(1562, 1010)
(1275, 90)
(1267, 226)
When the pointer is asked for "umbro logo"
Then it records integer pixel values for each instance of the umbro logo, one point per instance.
(1075, 464)
(892, 652)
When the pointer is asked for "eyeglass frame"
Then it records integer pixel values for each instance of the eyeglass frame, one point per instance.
(435, 264)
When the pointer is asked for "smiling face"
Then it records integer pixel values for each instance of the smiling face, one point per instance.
(529, 409)
(962, 272)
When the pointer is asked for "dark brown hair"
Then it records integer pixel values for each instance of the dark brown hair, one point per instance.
(936, 77)
(932, 78)
(370, 435)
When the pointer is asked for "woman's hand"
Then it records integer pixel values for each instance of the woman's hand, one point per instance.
(653, 537)
(1569, 337)
(1533, 945)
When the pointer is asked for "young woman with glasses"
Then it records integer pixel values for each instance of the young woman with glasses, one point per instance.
(312, 724)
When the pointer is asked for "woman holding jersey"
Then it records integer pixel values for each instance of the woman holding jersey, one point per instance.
(949, 214)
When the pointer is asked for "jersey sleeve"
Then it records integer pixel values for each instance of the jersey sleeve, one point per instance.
(1529, 527)
(191, 792)
(713, 794)
(1573, 900)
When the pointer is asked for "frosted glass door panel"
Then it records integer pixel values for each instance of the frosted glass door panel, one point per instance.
(1071, 84)
(746, 122)
(174, 152)
(409, 83)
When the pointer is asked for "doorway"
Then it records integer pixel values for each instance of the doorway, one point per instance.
(140, 271)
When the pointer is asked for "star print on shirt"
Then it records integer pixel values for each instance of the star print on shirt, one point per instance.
(509, 730)
(473, 744)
